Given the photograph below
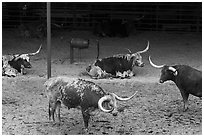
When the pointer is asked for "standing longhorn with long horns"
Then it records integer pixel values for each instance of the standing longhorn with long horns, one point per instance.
(75, 93)
(120, 65)
(186, 78)
(13, 64)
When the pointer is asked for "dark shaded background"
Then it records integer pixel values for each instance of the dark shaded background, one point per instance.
(179, 16)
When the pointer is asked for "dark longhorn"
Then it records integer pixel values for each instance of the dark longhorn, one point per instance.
(186, 78)
(17, 62)
(120, 65)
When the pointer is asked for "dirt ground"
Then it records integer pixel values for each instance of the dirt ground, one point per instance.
(156, 109)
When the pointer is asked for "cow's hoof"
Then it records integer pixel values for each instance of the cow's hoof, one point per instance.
(56, 124)
(86, 130)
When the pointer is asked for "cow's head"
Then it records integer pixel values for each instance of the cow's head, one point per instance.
(137, 58)
(22, 60)
(167, 72)
(108, 103)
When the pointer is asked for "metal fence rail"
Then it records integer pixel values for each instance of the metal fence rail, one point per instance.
(159, 16)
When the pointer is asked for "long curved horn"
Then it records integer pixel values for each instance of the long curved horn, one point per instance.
(17, 56)
(145, 50)
(156, 66)
(101, 100)
(124, 99)
(32, 54)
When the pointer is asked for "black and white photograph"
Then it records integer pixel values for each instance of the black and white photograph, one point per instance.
(101, 68)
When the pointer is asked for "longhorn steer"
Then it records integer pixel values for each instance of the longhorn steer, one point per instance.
(75, 93)
(120, 65)
(186, 78)
(14, 64)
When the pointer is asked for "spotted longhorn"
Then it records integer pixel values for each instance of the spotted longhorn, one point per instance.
(118, 66)
(75, 93)
(12, 65)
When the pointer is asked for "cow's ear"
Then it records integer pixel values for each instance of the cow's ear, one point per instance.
(175, 72)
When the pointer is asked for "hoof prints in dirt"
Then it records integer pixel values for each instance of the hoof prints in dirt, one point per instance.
(9, 101)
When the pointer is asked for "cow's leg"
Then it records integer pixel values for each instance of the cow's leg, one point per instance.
(58, 106)
(86, 117)
(23, 72)
(185, 96)
(51, 110)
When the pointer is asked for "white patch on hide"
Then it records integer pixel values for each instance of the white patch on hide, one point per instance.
(74, 84)
(94, 87)
(126, 56)
(6, 68)
(52, 81)
(124, 74)
(23, 56)
(96, 72)
(78, 85)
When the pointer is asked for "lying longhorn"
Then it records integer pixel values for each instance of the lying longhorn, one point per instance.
(14, 64)
(75, 93)
(120, 65)
(186, 78)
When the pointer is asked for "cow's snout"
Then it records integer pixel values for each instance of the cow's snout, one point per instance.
(26, 64)
(161, 81)
(139, 64)
(142, 65)
(29, 66)
(115, 113)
